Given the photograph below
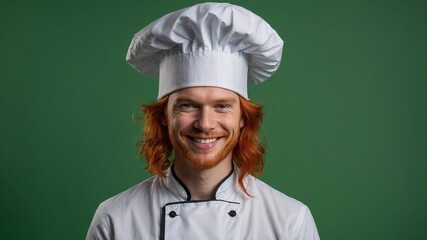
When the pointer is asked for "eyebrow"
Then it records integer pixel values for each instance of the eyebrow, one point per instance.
(219, 100)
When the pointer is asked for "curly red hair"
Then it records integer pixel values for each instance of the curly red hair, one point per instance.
(156, 147)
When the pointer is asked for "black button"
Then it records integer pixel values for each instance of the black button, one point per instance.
(173, 214)
(232, 213)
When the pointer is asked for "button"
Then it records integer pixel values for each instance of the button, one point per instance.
(232, 213)
(173, 214)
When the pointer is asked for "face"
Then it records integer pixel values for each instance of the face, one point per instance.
(203, 125)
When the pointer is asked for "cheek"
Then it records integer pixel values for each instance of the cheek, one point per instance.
(233, 123)
(180, 122)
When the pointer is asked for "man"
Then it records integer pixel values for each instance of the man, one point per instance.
(201, 136)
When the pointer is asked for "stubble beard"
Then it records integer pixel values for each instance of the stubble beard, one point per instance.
(196, 162)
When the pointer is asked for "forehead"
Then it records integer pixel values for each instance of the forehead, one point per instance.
(204, 94)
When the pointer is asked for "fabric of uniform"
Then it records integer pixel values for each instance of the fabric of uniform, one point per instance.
(161, 208)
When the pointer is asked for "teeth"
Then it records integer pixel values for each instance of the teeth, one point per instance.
(205, 140)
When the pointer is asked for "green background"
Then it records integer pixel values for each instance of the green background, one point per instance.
(345, 115)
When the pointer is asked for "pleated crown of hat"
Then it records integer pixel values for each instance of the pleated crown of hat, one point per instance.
(209, 44)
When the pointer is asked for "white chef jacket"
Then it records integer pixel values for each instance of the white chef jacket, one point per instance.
(161, 208)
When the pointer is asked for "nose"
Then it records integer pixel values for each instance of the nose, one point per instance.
(205, 120)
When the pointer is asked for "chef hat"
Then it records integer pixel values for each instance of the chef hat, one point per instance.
(209, 44)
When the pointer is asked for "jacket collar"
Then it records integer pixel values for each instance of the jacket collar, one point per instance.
(223, 190)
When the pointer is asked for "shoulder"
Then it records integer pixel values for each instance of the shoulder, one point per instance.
(124, 200)
(114, 216)
(261, 190)
(289, 216)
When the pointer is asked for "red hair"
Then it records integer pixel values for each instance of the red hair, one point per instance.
(156, 147)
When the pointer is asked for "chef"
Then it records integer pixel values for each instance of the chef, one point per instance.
(201, 135)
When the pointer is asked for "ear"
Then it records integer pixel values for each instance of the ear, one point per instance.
(163, 120)
(242, 123)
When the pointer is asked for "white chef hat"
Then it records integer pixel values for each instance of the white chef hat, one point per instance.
(209, 44)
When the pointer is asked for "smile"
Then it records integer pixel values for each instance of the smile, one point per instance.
(204, 140)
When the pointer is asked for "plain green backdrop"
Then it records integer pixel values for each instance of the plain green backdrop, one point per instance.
(345, 115)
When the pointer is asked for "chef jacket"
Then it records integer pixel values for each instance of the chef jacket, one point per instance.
(161, 208)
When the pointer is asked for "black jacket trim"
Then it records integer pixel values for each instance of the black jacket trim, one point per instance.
(162, 223)
(188, 191)
(181, 183)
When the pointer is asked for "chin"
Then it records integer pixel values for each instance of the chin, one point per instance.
(203, 163)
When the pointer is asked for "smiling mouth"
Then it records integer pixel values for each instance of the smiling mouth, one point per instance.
(204, 140)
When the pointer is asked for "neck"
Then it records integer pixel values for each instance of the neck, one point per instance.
(202, 183)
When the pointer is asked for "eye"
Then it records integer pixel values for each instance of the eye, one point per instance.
(187, 106)
(223, 106)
